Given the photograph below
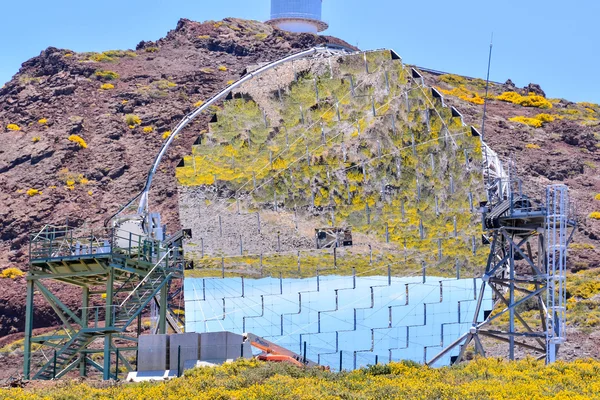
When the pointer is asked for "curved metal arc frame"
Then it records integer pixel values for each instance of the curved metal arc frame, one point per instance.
(143, 195)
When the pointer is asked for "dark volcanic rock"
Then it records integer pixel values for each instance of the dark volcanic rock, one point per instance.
(534, 88)
(575, 134)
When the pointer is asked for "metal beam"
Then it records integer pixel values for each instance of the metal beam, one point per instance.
(28, 330)
(85, 301)
(162, 320)
(58, 306)
(108, 323)
(64, 275)
(125, 362)
(515, 304)
(447, 349)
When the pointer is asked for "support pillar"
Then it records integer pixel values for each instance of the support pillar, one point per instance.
(28, 329)
(85, 302)
(511, 311)
(162, 319)
(108, 323)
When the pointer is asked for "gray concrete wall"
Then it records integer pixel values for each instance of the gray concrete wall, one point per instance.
(159, 352)
(234, 346)
(190, 349)
(213, 346)
(221, 346)
(153, 352)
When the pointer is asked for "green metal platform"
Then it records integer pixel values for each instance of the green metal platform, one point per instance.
(118, 278)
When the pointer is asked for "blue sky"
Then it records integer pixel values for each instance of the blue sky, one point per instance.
(553, 43)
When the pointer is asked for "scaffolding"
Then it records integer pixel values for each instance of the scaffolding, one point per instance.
(521, 279)
(119, 275)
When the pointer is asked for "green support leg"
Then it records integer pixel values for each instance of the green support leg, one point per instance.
(28, 329)
(162, 320)
(85, 301)
(108, 323)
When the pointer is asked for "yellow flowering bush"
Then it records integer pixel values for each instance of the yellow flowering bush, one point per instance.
(531, 100)
(132, 120)
(166, 135)
(43, 121)
(536, 123)
(148, 129)
(532, 146)
(597, 197)
(33, 192)
(198, 103)
(79, 140)
(594, 215)
(107, 86)
(12, 273)
(36, 139)
(13, 127)
(222, 68)
(106, 75)
(581, 246)
(464, 94)
(250, 379)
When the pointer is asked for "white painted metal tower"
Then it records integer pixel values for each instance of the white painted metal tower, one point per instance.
(297, 15)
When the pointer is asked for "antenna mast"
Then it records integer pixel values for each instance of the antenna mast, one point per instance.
(487, 87)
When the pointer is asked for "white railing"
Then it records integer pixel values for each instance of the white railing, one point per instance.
(557, 200)
(146, 277)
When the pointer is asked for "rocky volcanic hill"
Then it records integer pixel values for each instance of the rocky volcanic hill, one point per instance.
(121, 104)
(80, 130)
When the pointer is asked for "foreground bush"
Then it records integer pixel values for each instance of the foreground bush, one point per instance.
(480, 379)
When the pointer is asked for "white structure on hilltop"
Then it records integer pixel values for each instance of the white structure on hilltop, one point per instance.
(297, 15)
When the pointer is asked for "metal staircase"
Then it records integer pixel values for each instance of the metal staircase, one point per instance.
(125, 273)
(65, 357)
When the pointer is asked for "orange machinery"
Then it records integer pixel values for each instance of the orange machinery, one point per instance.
(274, 352)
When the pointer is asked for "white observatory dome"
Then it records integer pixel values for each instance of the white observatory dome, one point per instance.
(297, 15)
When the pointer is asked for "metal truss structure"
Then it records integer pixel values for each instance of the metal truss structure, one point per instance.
(520, 279)
(119, 275)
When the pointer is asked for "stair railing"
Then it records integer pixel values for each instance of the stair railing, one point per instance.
(158, 263)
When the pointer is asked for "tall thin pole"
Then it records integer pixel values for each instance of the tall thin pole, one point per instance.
(487, 87)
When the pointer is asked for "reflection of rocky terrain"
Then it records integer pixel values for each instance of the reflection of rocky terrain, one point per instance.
(61, 93)
(346, 141)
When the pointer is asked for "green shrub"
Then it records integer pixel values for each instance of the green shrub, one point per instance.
(454, 80)
(106, 75)
(132, 120)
